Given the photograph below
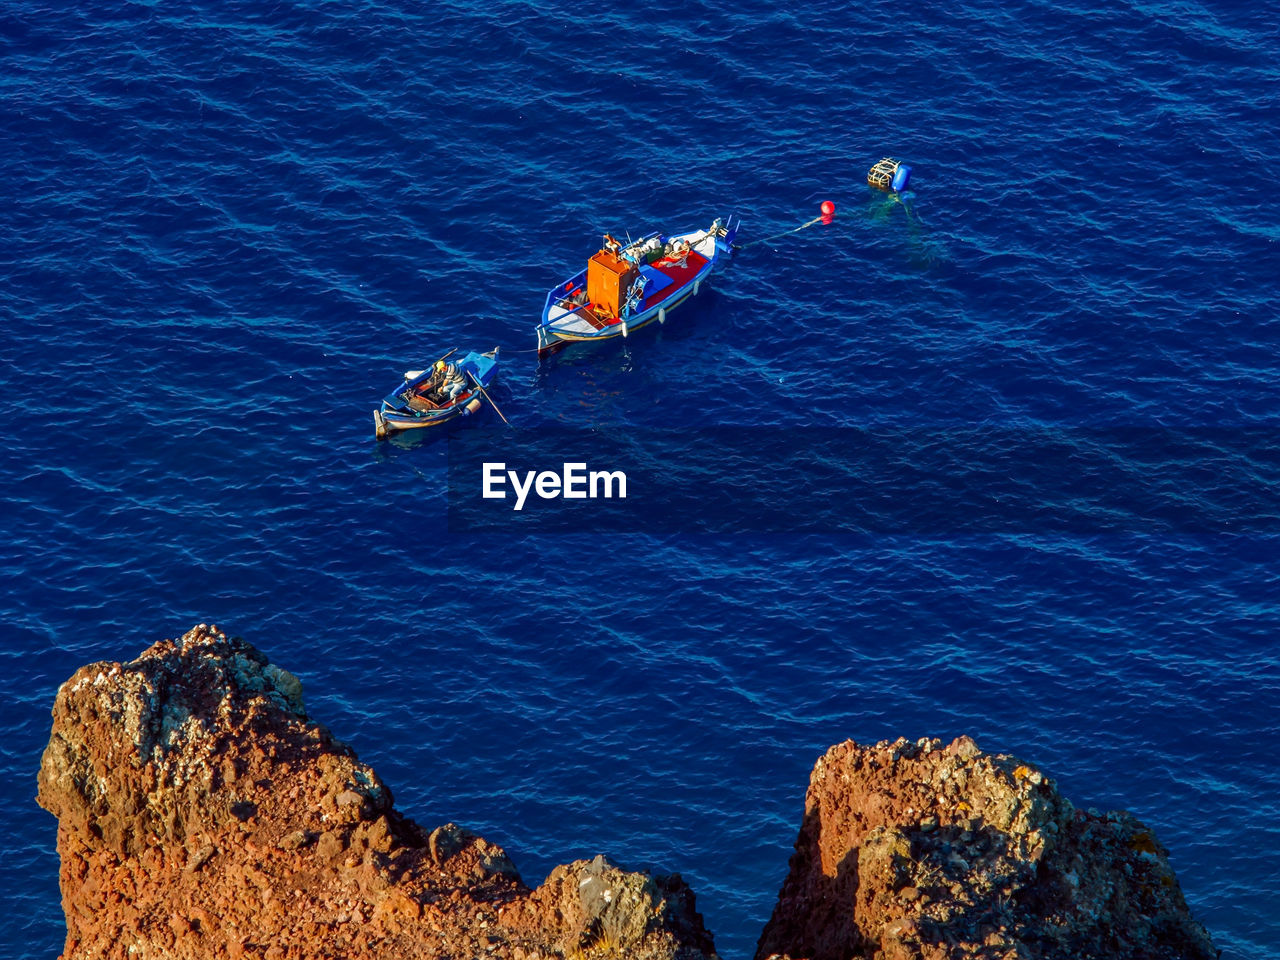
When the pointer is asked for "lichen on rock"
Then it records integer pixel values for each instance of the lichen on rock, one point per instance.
(201, 814)
(916, 851)
(597, 905)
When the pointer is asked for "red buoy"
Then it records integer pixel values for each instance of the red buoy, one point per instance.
(828, 208)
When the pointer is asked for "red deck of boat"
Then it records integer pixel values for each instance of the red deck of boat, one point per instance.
(679, 276)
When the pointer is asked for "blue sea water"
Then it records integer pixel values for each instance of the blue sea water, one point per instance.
(227, 228)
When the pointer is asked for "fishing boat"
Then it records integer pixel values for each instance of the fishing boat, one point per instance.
(626, 286)
(426, 399)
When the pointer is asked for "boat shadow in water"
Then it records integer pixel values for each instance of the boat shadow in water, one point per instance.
(620, 351)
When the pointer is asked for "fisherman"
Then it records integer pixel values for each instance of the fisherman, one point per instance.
(453, 382)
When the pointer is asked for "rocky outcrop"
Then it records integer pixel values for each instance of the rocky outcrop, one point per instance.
(916, 851)
(596, 903)
(201, 814)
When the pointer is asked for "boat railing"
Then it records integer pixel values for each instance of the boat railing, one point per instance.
(557, 294)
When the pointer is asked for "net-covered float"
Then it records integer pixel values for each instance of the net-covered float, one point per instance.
(626, 286)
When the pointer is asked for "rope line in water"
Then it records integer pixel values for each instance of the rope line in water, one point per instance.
(752, 243)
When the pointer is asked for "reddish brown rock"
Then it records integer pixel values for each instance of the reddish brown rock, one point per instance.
(202, 815)
(915, 851)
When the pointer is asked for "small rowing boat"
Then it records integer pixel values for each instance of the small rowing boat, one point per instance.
(625, 287)
(443, 392)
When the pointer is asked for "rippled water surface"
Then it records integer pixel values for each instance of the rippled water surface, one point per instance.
(227, 229)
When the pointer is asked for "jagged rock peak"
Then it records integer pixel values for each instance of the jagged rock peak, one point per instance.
(201, 814)
(920, 851)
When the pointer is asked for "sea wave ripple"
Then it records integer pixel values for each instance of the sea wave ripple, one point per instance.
(229, 227)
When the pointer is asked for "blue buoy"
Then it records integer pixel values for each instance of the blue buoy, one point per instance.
(889, 175)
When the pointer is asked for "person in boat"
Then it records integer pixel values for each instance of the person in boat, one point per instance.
(611, 244)
(452, 382)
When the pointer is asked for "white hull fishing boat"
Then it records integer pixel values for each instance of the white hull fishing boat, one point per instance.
(625, 287)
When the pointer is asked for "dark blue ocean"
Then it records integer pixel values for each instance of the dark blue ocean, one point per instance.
(226, 229)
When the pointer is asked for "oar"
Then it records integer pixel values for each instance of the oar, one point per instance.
(480, 387)
(418, 373)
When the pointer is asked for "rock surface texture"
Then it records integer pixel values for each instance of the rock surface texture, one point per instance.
(919, 851)
(202, 815)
